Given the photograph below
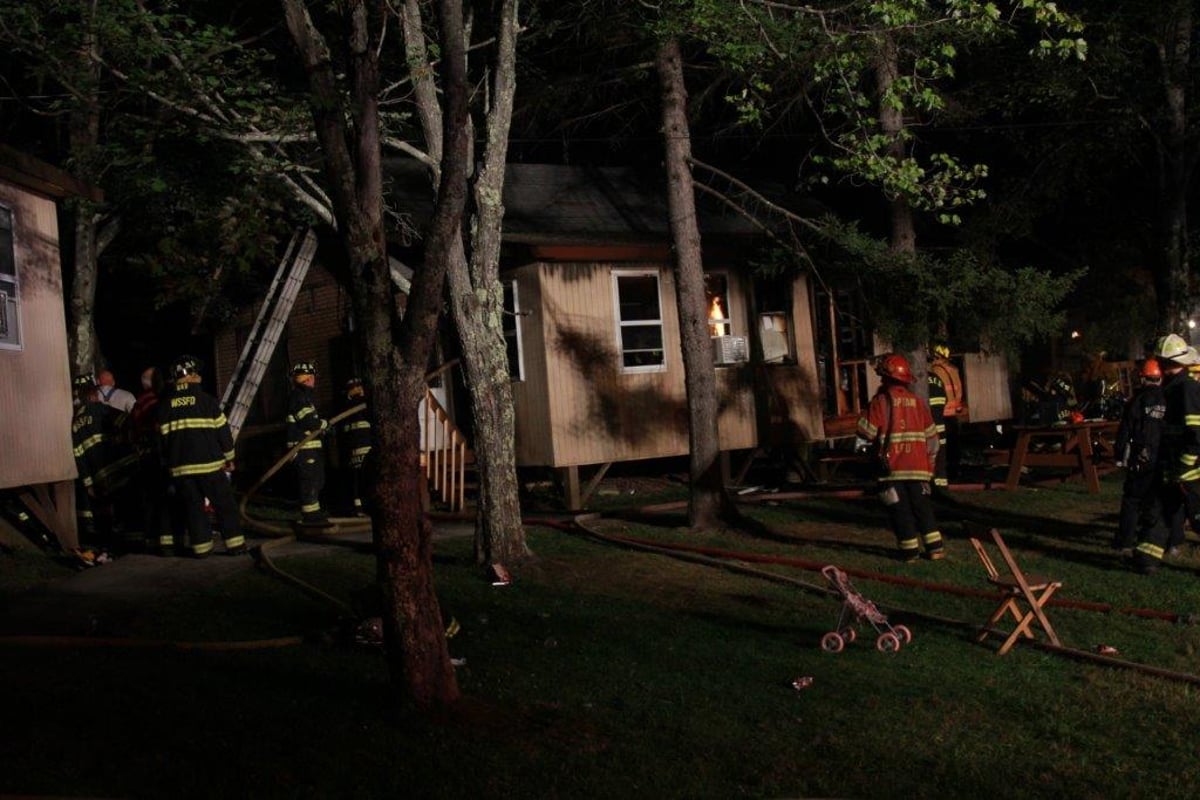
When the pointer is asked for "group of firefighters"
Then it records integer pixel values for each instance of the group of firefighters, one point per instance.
(161, 462)
(1158, 444)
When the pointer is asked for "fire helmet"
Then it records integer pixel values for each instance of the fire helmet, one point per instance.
(1173, 348)
(1150, 370)
(941, 350)
(184, 366)
(894, 366)
(303, 368)
(84, 381)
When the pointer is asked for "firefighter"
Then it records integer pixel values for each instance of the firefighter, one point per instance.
(303, 419)
(354, 436)
(1137, 444)
(1177, 470)
(945, 403)
(153, 482)
(197, 451)
(104, 465)
(899, 427)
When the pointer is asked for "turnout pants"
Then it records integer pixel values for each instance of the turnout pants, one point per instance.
(310, 475)
(1171, 501)
(910, 512)
(1136, 500)
(215, 486)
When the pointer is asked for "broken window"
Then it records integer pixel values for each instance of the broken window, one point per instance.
(716, 295)
(773, 301)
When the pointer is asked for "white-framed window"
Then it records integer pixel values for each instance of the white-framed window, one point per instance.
(716, 295)
(639, 320)
(512, 332)
(10, 289)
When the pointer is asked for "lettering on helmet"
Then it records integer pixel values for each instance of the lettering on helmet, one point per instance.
(180, 402)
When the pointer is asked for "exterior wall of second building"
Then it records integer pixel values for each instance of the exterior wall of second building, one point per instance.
(35, 390)
(590, 411)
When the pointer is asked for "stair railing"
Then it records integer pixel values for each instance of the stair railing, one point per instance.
(443, 448)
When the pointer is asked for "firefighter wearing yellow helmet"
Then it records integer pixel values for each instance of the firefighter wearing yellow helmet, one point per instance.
(946, 403)
(1178, 463)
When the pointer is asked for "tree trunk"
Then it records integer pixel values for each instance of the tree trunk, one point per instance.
(477, 296)
(903, 231)
(397, 348)
(84, 139)
(709, 503)
(1176, 164)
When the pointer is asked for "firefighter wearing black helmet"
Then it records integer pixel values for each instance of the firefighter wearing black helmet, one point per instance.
(197, 451)
(354, 436)
(302, 420)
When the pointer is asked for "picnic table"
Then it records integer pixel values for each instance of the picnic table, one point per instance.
(1077, 447)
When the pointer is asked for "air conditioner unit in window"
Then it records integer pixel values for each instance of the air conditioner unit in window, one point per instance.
(730, 350)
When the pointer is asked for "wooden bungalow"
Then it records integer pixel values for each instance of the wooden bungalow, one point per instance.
(593, 331)
(38, 466)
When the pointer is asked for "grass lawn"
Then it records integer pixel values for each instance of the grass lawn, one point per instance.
(608, 672)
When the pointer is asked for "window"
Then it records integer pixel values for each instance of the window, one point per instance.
(716, 296)
(773, 300)
(512, 332)
(639, 321)
(10, 296)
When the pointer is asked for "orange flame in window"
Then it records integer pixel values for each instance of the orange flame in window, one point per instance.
(715, 312)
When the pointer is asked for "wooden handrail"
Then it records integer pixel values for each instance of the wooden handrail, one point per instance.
(444, 451)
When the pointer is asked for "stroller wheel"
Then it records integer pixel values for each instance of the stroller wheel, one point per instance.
(849, 634)
(832, 643)
(887, 643)
(902, 633)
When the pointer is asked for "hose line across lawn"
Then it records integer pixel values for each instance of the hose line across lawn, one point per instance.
(727, 560)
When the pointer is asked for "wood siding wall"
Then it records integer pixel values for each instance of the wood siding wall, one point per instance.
(790, 400)
(35, 382)
(986, 387)
(580, 408)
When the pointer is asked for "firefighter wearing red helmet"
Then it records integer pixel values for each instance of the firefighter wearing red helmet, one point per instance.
(899, 428)
(1137, 444)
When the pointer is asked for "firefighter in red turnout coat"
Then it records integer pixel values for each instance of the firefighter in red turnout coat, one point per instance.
(197, 450)
(899, 427)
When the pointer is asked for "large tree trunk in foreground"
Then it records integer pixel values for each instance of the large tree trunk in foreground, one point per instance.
(709, 503)
(397, 349)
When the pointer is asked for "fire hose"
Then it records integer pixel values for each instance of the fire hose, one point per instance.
(728, 560)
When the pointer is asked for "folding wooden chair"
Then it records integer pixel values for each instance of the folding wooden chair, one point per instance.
(1031, 592)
